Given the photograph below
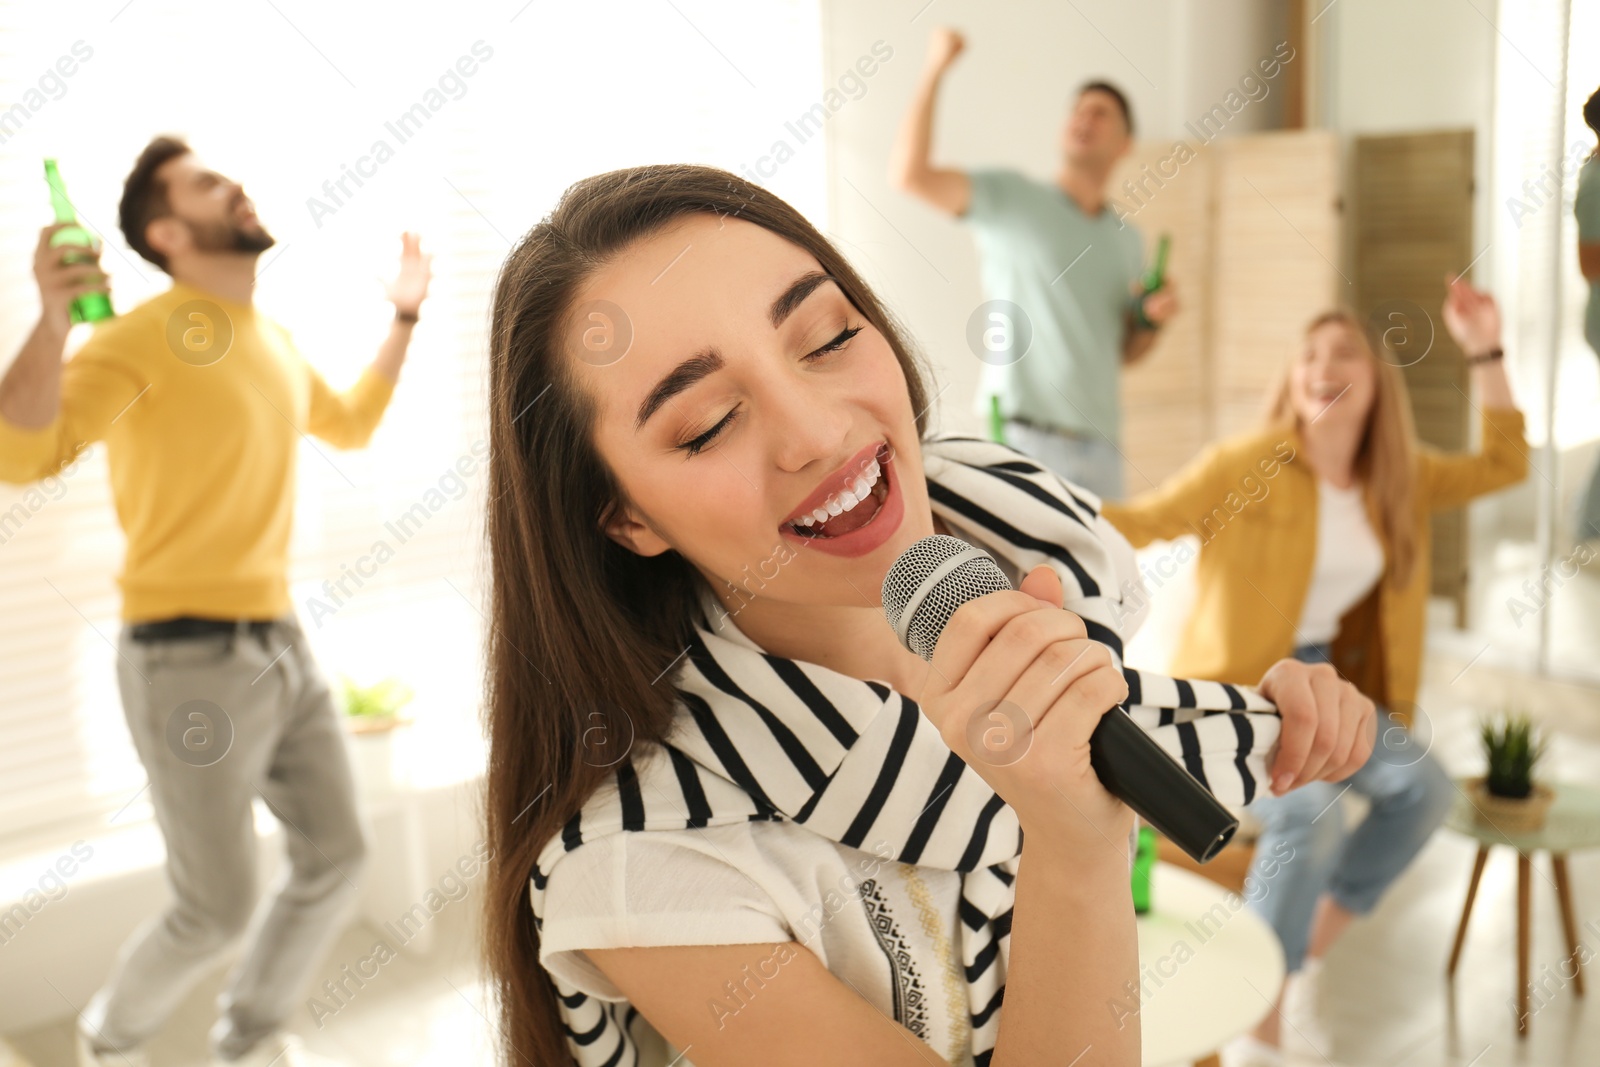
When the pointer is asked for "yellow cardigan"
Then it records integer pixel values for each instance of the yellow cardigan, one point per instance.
(1252, 501)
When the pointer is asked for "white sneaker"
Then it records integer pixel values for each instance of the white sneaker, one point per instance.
(88, 1057)
(1303, 1032)
(1247, 1051)
(278, 1049)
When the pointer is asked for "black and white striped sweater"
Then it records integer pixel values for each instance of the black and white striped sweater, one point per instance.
(762, 738)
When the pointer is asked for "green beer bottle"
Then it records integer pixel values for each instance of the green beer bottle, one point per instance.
(1144, 858)
(90, 307)
(997, 421)
(1158, 273)
(1152, 280)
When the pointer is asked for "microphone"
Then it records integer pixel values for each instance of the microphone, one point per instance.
(937, 575)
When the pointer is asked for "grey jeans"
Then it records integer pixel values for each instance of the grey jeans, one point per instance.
(217, 721)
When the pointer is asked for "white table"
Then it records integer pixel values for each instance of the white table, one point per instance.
(1208, 968)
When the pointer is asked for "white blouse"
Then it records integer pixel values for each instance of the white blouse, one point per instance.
(887, 928)
(1349, 562)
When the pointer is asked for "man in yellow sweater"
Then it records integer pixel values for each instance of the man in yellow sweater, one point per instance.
(202, 402)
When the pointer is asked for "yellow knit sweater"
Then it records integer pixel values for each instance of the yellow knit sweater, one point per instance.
(202, 403)
(1252, 501)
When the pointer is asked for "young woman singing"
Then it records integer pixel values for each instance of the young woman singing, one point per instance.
(727, 808)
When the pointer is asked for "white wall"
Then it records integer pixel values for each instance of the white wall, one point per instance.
(1409, 67)
(1003, 104)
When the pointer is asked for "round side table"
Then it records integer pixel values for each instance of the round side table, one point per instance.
(1209, 969)
(1573, 823)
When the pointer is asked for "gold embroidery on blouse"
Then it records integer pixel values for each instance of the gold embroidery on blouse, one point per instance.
(955, 983)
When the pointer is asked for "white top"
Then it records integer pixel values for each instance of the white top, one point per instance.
(891, 931)
(1348, 563)
(888, 928)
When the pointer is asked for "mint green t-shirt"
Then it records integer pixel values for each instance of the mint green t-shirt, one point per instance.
(1586, 207)
(1071, 276)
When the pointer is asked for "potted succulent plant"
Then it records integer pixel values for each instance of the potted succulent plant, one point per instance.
(1506, 796)
(372, 713)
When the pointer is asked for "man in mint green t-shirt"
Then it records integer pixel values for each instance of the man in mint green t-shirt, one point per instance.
(1060, 273)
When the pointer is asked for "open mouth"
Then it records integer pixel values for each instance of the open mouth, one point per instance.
(853, 507)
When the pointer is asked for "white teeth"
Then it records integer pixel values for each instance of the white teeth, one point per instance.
(846, 499)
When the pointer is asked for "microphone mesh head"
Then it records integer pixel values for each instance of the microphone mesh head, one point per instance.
(929, 581)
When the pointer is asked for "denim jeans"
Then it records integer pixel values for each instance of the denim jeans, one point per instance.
(1092, 462)
(1305, 851)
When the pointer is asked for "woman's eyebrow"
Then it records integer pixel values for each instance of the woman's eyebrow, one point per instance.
(677, 380)
(704, 363)
(796, 294)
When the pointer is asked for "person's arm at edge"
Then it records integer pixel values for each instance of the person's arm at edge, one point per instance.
(1588, 216)
(910, 167)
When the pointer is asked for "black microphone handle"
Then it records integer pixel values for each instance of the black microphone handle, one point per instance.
(1140, 773)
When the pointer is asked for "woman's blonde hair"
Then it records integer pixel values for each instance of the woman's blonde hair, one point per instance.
(1386, 458)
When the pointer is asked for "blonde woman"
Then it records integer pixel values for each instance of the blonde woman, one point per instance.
(1314, 534)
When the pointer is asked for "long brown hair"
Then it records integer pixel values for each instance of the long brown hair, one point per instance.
(1386, 459)
(581, 629)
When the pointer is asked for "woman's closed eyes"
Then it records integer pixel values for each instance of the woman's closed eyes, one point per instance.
(694, 447)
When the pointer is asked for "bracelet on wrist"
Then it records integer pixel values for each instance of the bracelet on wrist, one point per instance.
(1486, 357)
(405, 316)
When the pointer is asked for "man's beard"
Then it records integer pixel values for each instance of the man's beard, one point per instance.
(229, 237)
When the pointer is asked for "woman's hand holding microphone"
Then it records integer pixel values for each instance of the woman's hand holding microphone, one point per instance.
(1017, 688)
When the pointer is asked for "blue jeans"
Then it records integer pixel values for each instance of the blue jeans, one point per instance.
(1304, 850)
(1092, 462)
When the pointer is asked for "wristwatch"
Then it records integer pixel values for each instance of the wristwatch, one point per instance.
(1493, 354)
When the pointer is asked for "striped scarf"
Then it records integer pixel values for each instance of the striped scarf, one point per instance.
(759, 737)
